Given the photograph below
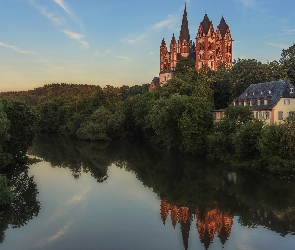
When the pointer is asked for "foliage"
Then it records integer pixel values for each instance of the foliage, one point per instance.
(288, 61)
(245, 140)
(101, 125)
(185, 68)
(250, 71)
(221, 140)
(4, 136)
(17, 131)
(5, 192)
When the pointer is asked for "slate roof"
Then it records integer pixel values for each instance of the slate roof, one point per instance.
(222, 27)
(173, 40)
(206, 24)
(271, 91)
(184, 31)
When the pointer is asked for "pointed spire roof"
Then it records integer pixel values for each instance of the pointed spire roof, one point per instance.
(163, 43)
(206, 24)
(222, 27)
(184, 31)
(173, 40)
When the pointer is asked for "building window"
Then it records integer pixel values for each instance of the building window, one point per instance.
(280, 115)
(267, 115)
(258, 101)
(256, 115)
(265, 102)
(291, 90)
(287, 101)
(261, 115)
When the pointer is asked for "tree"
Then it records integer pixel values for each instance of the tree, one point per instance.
(222, 87)
(23, 123)
(186, 69)
(4, 136)
(246, 72)
(288, 61)
(102, 125)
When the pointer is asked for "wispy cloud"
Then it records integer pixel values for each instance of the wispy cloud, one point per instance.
(99, 53)
(76, 36)
(289, 31)
(16, 49)
(63, 6)
(170, 22)
(124, 57)
(56, 19)
(247, 3)
(60, 21)
(281, 46)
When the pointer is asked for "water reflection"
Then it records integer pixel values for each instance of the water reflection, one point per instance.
(192, 192)
(25, 205)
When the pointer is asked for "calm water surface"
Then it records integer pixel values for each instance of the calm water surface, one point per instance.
(126, 196)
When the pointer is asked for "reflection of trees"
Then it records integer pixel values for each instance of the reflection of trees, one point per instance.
(78, 156)
(207, 191)
(24, 205)
(189, 183)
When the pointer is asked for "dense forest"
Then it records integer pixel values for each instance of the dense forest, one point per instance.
(175, 116)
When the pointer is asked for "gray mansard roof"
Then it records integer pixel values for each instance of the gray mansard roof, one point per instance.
(270, 91)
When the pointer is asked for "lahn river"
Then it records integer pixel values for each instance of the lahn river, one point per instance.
(84, 195)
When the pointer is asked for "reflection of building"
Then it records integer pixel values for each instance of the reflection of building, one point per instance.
(214, 222)
(210, 49)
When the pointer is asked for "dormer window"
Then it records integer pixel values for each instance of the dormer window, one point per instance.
(269, 91)
(291, 90)
(258, 101)
(265, 101)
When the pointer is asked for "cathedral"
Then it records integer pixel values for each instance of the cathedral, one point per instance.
(210, 48)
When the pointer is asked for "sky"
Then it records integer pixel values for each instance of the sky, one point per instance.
(116, 42)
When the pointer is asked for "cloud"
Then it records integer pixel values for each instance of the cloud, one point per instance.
(16, 49)
(289, 31)
(281, 46)
(247, 3)
(76, 36)
(57, 20)
(103, 53)
(72, 35)
(169, 23)
(124, 57)
(63, 6)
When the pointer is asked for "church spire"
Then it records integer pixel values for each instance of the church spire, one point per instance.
(184, 31)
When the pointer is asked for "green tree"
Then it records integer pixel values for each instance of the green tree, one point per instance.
(288, 61)
(250, 71)
(102, 125)
(246, 138)
(186, 69)
(221, 140)
(5, 192)
(23, 123)
(4, 136)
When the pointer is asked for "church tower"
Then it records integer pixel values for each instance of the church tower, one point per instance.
(184, 42)
(173, 53)
(205, 42)
(223, 44)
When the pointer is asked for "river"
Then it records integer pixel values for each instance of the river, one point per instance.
(83, 195)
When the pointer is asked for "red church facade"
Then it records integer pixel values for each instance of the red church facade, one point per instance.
(211, 47)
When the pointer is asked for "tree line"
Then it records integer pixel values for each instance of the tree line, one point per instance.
(176, 116)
